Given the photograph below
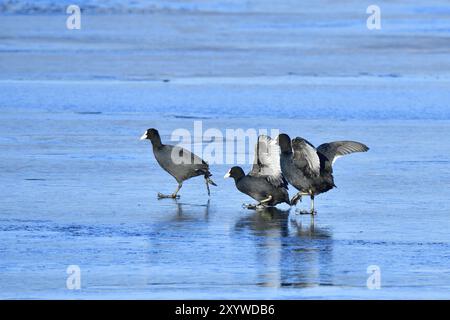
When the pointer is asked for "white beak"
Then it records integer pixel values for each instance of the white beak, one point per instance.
(144, 136)
(227, 175)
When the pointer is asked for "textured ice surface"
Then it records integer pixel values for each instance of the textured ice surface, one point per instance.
(299, 98)
(81, 189)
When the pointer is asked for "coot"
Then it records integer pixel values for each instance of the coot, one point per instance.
(310, 170)
(265, 182)
(178, 162)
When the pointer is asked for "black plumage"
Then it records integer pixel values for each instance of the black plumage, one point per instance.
(178, 162)
(310, 170)
(264, 183)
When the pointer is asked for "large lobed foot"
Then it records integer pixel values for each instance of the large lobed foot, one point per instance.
(313, 212)
(249, 206)
(257, 206)
(168, 196)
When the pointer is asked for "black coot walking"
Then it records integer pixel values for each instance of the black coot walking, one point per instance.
(265, 182)
(310, 170)
(178, 162)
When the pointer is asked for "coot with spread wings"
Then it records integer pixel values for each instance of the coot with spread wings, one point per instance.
(265, 182)
(310, 170)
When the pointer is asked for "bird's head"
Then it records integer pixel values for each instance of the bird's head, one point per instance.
(284, 142)
(236, 173)
(151, 134)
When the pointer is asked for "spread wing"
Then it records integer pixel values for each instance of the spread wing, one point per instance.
(267, 161)
(305, 157)
(334, 150)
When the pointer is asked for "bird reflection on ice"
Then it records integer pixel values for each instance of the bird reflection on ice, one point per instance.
(291, 250)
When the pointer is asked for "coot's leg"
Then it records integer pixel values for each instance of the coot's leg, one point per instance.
(312, 204)
(173, 195)
(261, 204)
(313, 212)
(207, 186)
(269, 198)
(298, 197)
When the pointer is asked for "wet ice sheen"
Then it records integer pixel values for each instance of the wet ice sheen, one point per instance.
(92, 202)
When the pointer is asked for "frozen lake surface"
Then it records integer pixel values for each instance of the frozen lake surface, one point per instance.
(79, 188)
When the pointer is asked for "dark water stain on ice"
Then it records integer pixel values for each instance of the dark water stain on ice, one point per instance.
(89, 112)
